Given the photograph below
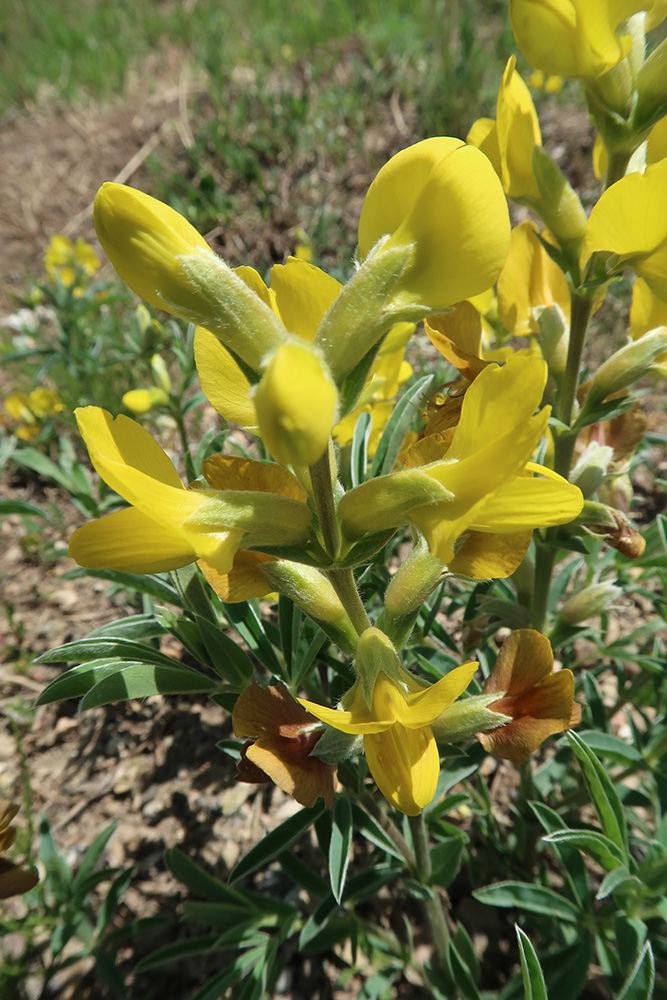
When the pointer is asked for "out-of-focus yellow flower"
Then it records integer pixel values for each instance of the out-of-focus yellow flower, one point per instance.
(168, 526)
(647, 313)
(431, 197)
(530, 282)
(508, 141)
(30, 410)
(573, 37)
(474, 479)
(141, 401)
(14, 880)
(72, 263)
(539, 701)
(626, 223)
(283, 737)
(549, 84)
(394, 717)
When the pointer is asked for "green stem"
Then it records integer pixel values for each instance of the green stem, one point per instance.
(190, 471)
(545, 557)
(433, 909)
(320, 478)
(343, 582)
(618, 164)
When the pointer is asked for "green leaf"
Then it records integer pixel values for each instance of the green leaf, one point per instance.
(154, 586)
(135, 627)
(339, 846)
(276, 841)
(205, 944)
(462, 974)
(359, 449)
(596, 845)
(76, 681)
(145, 680)
(91, 857)
(225, 656)
(200, 882)
(605, 797)
(20, 507)
(571, 861)
(614, 879)
(534, 898)
(611, 747)
(325, 927)
(402, 418)
(534, 987)
(641, 978)
(446, 860)
(100, 647)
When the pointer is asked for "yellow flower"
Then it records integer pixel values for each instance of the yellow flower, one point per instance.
(529, 283)
(69, 261)
(169, 526)
(628, 223)
(165, 261)
(656, 144)
(30, 411)
(395, 720)
(480, 478)
(508, 142)
(573, 37)
(431, 197)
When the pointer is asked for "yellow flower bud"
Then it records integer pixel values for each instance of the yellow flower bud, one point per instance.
(591, 601)
(160, 373)
(296, 403)
(140, 401)
(310, 590)
(165, 261)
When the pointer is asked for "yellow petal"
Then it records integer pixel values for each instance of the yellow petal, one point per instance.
(244, 581)
(296, 403)
(222, 380)
(432, 196)
(625, 222)
(424, 707)
(484, 135)
(303, 293)
(405, 765)
(572, 37)
(529, 280)
(527, 503)
(230, 472)
(485, 556)
(130, 542)
(143, 400)
(518, 132)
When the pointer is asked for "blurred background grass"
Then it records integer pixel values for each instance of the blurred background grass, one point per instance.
(296, 104)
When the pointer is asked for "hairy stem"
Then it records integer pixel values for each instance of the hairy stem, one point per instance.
(433, 908)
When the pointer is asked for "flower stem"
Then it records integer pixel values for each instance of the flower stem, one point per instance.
(343, 582)
(433, 909)
(320, 478)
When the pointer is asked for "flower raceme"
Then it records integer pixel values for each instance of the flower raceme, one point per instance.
(244, 503)
(394, 716)
(478, 479)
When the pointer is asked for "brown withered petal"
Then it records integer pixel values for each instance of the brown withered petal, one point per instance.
(284, 741)
(539, 701)
(15, 880)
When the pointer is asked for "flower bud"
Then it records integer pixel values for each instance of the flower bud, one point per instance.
(554, 335)
(385, 502)
(141, 401)
(589, 602)
(559, 206)
(625, 366)
(591, 467)
(409, 587)
(164, 260)
(296, 403)
(160, 373)
(466, 717)
(310, 590)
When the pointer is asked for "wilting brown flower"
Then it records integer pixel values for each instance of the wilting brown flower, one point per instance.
(282, 737)
(539, 701)
(14, 880)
